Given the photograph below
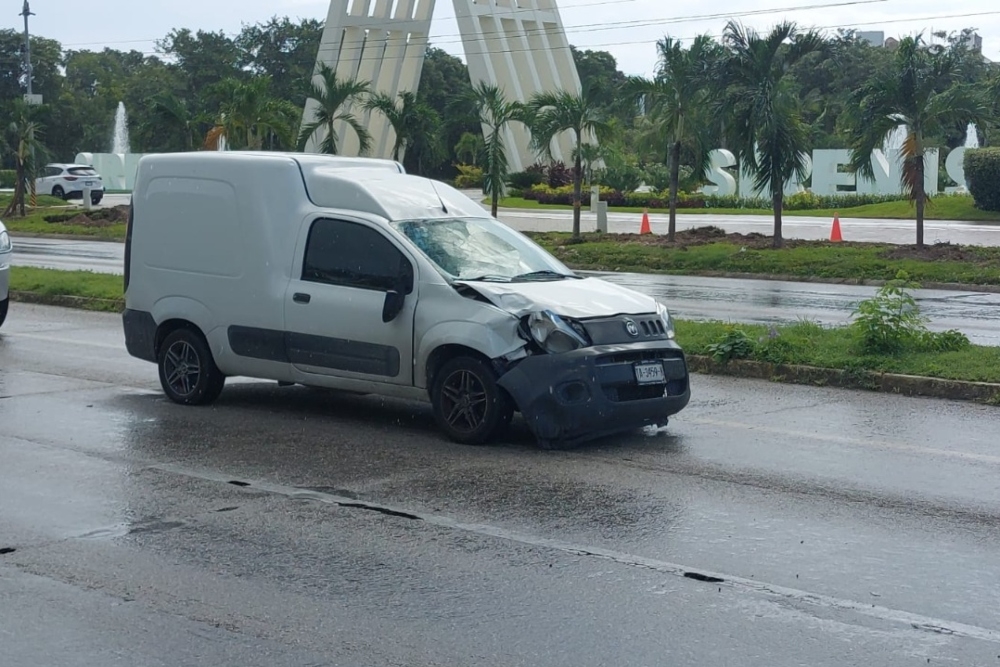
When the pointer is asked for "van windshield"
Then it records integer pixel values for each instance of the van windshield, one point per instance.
(481, 249)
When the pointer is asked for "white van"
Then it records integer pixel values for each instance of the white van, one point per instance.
(348, 274)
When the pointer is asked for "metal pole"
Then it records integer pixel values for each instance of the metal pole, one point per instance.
(26, 12)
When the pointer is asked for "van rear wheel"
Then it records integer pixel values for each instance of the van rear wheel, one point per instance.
(188, 373)
(468, 403)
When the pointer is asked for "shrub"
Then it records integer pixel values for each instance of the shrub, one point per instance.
(625, 178)
(469, 177)
(7, 178)
(557, 175)
(890, 321)
(735, 344)
(982, 171)
(657, 176)
(523, 180)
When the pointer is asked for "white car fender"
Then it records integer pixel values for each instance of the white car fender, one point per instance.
(493, 333)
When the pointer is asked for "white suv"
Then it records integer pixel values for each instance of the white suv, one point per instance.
(67, 181)
(5, 250)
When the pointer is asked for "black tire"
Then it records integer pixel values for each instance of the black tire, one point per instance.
(469, 405)
(57, 191)
(95, 200)
(188, 373)
(4, 305)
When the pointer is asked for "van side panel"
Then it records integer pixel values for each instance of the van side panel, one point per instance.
(213, 243)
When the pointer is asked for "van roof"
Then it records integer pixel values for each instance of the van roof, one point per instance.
(371, 185)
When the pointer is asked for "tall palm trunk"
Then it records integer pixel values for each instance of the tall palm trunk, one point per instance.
(777, 202)
(675, 177)
(918, 192)
(577, 187)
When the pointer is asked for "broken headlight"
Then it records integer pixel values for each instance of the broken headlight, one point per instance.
(668, 322)
(555, 334)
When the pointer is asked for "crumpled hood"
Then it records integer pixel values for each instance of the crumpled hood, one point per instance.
(579, 299)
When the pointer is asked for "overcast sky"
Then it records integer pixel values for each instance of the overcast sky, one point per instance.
(611, 25)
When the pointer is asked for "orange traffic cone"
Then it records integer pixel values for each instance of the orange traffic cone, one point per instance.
(645, 229)
(835, 232)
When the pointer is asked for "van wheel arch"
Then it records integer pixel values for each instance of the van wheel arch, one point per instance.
(170, 326)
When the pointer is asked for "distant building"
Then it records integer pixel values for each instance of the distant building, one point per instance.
(974, 42)
(873, 37)
(891, 43)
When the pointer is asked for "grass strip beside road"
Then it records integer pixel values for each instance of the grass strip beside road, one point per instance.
(804, 343)
(942, 208)
(736, 254)
(35, 223)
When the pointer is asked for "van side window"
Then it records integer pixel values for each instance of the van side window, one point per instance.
(352, 255)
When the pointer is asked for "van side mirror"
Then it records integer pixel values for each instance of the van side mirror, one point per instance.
(393, 305)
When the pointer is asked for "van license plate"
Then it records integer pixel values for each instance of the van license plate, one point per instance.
(650, 373)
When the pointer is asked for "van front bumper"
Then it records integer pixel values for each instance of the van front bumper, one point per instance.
(593, 392)
(4, 275)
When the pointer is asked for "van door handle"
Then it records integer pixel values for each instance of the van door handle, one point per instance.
(299, 297)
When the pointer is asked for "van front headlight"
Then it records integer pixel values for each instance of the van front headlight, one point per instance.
(668, 322)
(5, 244)
(553, 333)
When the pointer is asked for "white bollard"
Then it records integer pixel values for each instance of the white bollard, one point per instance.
(595, 197)
(602, 217)
(87, 201)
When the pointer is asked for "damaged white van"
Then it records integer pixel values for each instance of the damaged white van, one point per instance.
(347, 274)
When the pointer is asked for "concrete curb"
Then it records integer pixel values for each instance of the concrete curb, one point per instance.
(890, 383)
(61, 237)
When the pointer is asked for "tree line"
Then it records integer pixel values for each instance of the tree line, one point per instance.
(767, 97)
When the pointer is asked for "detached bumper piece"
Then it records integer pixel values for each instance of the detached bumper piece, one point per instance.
(599, 390)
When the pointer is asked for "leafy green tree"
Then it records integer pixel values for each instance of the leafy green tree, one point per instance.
(411, 119)
(334, 98)
(551, 114)
(445, 87)
(468, 148)
(285, 51)
(675, 99)
(922, 93)
(763, 110)
(496, 113)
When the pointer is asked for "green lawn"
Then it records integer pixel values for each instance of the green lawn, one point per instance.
(803, 343)
(41, 200)
(53, 283)
(940, 208)
(814, 259)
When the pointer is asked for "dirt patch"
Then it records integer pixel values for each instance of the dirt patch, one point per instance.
(102, 217)
(699, 236)
(943, 252)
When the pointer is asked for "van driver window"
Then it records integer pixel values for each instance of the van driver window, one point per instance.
(349, 254)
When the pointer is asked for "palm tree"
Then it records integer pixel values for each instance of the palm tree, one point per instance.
(334, 98)
(496, 114)
(22, 138)
(251, 115)
(167, 110)
(765, 121)
(551, 114)
(921, 93)
(408, 120)
(674, 99)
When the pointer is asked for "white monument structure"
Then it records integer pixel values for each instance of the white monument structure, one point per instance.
(518, 45)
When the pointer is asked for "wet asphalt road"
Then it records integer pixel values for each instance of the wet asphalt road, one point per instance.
(757, 301)
(848, 528)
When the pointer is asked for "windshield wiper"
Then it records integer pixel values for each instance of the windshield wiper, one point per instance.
(541, 275)
(487, 279)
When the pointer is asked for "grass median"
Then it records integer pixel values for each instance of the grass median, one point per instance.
(711, 251)
(70, 221)
(802, 343)
(942, 208)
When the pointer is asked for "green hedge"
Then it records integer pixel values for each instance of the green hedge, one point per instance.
(982, 172)
(803, 201)
(7, 178)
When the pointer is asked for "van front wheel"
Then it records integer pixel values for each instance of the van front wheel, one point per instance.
(468, 403)
(188, 373)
